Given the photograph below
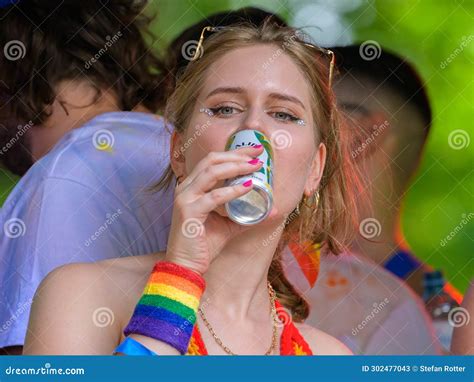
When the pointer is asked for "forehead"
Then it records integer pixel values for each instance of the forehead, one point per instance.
(258, 68)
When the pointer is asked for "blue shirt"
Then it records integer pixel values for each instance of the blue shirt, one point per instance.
(86, 200)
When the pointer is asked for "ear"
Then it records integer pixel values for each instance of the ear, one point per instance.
(316, 171)
(177, 161)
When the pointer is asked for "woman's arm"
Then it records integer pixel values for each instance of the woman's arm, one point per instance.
(78, 309)
(72, 314)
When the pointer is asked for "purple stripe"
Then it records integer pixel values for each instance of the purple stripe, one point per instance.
(161, 330)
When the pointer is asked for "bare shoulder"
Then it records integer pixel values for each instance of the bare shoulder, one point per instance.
(81, 308)
(322, 343)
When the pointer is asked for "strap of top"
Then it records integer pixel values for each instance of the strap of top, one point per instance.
(292, 342)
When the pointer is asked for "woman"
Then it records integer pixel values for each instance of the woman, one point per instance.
(265, 79)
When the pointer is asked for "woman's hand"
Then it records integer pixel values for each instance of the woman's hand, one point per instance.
(197, 232)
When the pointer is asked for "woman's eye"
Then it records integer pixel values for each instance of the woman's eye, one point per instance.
(282, 116)
(224, 110)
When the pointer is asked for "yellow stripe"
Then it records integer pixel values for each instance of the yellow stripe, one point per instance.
(173, 293)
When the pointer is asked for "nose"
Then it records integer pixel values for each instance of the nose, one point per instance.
(254, 119)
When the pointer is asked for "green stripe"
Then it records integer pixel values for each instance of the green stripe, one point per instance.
(174, 306)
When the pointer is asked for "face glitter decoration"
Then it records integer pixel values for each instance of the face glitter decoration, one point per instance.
(206, 111)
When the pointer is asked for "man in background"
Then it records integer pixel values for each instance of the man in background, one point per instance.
(78, 88)
(368, 294)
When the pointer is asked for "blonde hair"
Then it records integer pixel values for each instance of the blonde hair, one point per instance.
(331, 224)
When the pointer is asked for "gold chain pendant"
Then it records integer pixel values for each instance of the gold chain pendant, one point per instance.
(272, 295)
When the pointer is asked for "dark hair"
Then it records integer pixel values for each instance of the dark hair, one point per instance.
(176, 61)
(101, 42)
(391, 70)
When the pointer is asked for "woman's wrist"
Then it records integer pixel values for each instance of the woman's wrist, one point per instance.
(185, 263)
(168, 307)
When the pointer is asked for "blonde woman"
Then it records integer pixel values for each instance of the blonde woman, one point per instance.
(222, 290)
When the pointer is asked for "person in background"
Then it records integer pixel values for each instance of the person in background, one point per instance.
(77, 121)
(389, 113)
(374, 310)
(463, 322)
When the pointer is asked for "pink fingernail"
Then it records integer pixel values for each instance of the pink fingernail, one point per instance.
(257, 146)
(248, 183)
(254, 161)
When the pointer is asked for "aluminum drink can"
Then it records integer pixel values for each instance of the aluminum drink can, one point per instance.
(255, 205)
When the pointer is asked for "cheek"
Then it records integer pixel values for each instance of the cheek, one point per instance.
(200, 139)
(292, 167)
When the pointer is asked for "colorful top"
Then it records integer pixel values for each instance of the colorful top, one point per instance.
(291, 341)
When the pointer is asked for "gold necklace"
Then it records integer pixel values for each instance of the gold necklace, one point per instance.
(272, 295)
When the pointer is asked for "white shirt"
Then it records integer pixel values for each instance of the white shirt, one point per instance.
(364, 306)
(85, 201)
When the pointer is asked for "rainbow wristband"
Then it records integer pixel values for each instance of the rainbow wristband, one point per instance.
(167, 309)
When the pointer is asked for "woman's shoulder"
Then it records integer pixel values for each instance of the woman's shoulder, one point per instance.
(320, 342)
(86, 300)
(104, 275)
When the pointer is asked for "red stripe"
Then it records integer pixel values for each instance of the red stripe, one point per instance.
(181, 271)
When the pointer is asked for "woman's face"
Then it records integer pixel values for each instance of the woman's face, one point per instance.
(259, 87)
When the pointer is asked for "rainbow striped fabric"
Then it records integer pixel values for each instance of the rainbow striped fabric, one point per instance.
(167, 309)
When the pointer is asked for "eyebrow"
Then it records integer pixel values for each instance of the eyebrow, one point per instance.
(232, 90)
(239, 90)
(286, 97)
